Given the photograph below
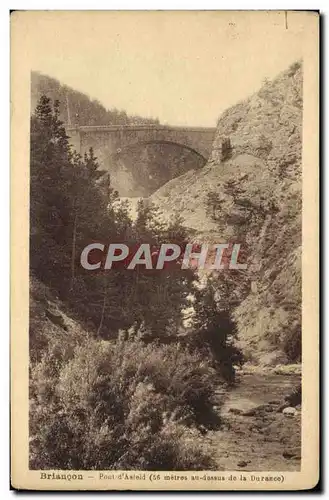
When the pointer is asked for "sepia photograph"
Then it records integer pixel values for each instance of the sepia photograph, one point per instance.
(162, 193)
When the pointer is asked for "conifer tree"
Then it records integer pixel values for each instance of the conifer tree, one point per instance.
(215, 331)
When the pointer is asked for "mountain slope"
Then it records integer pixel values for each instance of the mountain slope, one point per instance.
(82, 109)
(250, 192)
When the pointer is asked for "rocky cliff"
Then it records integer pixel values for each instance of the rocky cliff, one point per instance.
(250, 192)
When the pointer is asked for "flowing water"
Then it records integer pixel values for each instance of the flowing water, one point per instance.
(266, 440)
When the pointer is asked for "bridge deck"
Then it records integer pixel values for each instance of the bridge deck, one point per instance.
(114, 128)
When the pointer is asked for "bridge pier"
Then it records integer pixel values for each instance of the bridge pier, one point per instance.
(75, 138)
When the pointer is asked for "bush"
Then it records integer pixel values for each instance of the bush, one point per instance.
(120, 405)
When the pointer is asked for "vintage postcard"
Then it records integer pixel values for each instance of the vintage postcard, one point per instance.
(164, 279)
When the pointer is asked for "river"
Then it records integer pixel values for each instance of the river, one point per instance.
(267, 440)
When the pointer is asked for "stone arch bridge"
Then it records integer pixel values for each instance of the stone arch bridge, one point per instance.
(109, 141)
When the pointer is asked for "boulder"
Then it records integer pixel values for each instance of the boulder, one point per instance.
(289, 411)
(243, 463)
(257, 410)
(295, 397)
(292, 453)
(235, 411)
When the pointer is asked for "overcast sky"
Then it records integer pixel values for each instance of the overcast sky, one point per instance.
(183, 68)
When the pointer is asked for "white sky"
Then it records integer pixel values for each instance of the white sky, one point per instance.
(184, 68)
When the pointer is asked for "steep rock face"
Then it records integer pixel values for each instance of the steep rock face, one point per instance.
(250, 192)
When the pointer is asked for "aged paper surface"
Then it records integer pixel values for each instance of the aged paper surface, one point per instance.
(141, 373)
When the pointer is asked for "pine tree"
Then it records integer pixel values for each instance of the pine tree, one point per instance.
(68, 209)
(49, 205)
(215, 331)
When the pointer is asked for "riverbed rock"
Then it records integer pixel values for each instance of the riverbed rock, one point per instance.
(240, 407)
(295, 396)
(243, 463)
(257, 410)
(235, 411)
(292, 453)
(282, 407)
(250, 413)
(289, 412)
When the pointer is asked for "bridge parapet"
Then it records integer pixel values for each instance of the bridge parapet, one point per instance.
(113, 128)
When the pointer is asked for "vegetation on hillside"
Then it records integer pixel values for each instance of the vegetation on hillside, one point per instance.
(119, 405)
(125, 389)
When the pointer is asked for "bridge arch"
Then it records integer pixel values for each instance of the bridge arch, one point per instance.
(137, 144)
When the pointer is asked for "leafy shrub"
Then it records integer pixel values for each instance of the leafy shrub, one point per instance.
(120, 405)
